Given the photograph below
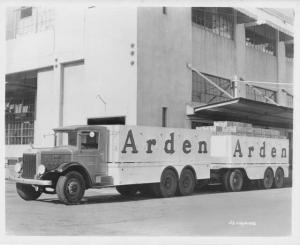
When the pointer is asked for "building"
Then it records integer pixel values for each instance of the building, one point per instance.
(132, 65)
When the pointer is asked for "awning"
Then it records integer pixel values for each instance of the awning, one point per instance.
(249, 111)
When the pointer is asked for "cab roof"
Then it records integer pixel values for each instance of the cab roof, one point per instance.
(79, 127)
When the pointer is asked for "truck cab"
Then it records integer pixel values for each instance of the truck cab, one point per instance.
(77, 162)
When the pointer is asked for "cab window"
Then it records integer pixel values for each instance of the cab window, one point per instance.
(89, 140)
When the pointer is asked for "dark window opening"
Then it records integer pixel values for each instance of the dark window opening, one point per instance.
(262, 38)
(217, 20)
(25, 12)
(164, 9)
(20, 96)
(164, 117)
(203, 92)
(289, 50)
(107, 121)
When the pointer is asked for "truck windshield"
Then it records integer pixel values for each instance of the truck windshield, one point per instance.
(68, 138)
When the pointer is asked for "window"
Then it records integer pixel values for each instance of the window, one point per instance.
(289, 100)
(68, 138)
(89, 140)
(25, 12)
(253, 95)
(216, 20)
(203, 92)
(164, 117)
(19, 121)
(262, 38)
(289, 50)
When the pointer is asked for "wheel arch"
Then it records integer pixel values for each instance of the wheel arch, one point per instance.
(75, 166)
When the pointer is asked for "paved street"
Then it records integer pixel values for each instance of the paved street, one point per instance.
(208, 212)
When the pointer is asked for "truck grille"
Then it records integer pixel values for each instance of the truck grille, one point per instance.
(29, 166)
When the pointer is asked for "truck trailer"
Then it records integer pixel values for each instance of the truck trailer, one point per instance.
(152, 160)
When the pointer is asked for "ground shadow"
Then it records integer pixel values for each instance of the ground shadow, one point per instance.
(115, 197)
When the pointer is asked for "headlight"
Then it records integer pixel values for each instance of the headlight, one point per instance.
(18, 167)
(41, 169)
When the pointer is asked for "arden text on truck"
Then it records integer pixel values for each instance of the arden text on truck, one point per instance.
(150, 160)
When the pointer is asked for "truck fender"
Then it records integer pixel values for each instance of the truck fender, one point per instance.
(65, 167)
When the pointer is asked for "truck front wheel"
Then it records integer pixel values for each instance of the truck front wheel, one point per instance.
(70, 187)
(27, 192)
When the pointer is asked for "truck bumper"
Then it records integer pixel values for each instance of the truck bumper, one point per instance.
(32, 181)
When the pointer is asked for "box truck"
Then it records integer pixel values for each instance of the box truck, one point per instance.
(152, 160)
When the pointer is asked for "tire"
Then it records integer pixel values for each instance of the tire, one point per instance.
(267, 181)
(127, 190)
(225, 180)
(279, 178)
(70, 187)
(236, 180)
(27, 192)
(186, 183)
(168, 184)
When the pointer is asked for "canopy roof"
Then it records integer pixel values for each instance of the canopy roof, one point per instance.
(246, 110)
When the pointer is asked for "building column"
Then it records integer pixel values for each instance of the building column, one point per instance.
(281, 71)
(240, 53)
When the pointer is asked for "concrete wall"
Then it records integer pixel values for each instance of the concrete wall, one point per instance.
(289, 74)
(38, 50)
(47, 108)
(260, 66)
(164, 48)
(110, 62)
(213, 54)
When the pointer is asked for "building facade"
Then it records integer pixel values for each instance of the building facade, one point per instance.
(130, 65)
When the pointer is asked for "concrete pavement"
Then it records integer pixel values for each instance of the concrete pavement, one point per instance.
(209, 212)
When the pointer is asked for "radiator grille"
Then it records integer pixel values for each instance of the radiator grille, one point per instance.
(29, 166)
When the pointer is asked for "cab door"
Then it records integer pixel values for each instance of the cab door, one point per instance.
(93, 152)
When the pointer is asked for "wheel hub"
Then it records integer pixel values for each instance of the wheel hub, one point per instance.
(73, 187)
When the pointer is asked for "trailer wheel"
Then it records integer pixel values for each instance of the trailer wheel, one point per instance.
(168, 184)
(236, 180)
(127, 190)
(70, 188)
(27, 192)
(186, 183)
(279, 178)
(225, 180)
(267, 181)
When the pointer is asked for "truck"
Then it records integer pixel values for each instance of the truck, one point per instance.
(152, 160)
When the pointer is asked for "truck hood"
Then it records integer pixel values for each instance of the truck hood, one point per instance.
(53, 157)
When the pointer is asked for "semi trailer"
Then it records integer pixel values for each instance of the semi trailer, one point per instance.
(152, 160)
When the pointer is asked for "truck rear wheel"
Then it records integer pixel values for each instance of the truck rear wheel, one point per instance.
(233, 180)
(168, 184)
(186, 183)
(225, 180)
(236, 180)
(70, 187)
(279, 178)
(267, 181)
(27, 192)
(127, 190)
